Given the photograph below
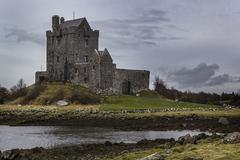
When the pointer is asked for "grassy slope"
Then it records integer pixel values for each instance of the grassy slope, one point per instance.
(132, 102)
(49, 93)
(165, 107)
(212, 150)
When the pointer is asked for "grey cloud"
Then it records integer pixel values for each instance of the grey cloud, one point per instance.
(22, 35)
(195, 77)
(148, 27)
(218, 80)
(151, 16)
(200, 76)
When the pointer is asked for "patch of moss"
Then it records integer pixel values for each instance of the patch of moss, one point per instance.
(207, 150)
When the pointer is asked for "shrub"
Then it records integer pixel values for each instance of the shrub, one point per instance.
(148, 93)
(84, 97)
(32, 93)
(18, 90)
(3, 94)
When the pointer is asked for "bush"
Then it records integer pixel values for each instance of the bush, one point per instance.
(148, 93)
(3, 94)
(84, 98)
(32, 93)
(69, 92)
(50, 96)
(18, 90)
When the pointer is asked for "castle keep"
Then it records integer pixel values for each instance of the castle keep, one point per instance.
(73, 56)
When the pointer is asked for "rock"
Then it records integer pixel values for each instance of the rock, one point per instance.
(187, 139)
(62, 103)
(223, 121)
(155, 156)
(108, 143)
(232, 138)
(200, 136)
(193, 158)
(184, 125)
(143, 142)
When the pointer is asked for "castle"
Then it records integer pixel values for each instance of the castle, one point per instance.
(73, 56)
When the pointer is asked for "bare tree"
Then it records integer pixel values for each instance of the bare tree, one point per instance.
(18, 90)
(3, 94)
(160, 86)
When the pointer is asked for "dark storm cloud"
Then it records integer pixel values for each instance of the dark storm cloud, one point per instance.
(21, 35)
(200, 76)
(221, 79)
(147, 27)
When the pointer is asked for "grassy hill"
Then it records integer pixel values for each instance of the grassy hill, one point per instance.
(50, 93)
(127, 102)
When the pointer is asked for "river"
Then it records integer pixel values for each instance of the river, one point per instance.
(51, 136)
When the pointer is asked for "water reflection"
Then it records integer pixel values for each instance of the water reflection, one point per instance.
(49, 136)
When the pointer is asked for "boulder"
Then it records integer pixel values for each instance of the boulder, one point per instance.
(187, 139)
(232, 138)
(155, 156)
(223, 121)
(200, 136)
(108, 143)
(62, 103)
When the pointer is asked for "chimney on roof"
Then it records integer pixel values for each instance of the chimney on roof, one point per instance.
(61, 20)
(55, 22)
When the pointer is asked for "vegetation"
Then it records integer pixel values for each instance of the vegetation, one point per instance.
(50, 93)
(3, 94)
(126, 102)
(205, 149)
(201, 97)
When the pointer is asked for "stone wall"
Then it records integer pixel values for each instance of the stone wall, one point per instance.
(41, 76)
(130, 81)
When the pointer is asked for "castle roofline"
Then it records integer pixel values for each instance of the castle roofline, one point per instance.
(72, 23)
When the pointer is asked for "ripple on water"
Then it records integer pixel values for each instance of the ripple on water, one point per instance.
(49, 136)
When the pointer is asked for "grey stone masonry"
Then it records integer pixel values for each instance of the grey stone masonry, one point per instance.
(73, 56)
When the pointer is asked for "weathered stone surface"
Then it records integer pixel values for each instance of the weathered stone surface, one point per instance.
(187, 139)
(232, 138)
(155, 156)
(73, 56)
(223, 121)
(62, 103)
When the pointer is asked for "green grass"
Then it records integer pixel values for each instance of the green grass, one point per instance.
(208, 150)
(125, 102)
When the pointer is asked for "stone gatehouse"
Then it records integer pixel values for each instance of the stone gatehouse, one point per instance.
(73, 56)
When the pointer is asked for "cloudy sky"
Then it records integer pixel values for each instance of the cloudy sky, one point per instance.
(191, 44)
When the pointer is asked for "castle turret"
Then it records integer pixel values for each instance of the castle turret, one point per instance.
(62, 20)
(55, 22)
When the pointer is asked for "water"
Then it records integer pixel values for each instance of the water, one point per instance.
(49, 136)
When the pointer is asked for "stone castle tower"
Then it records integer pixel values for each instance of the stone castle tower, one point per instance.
(73, 56)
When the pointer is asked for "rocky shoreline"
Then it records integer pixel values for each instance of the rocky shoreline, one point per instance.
(108, 150)
(124, 121)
